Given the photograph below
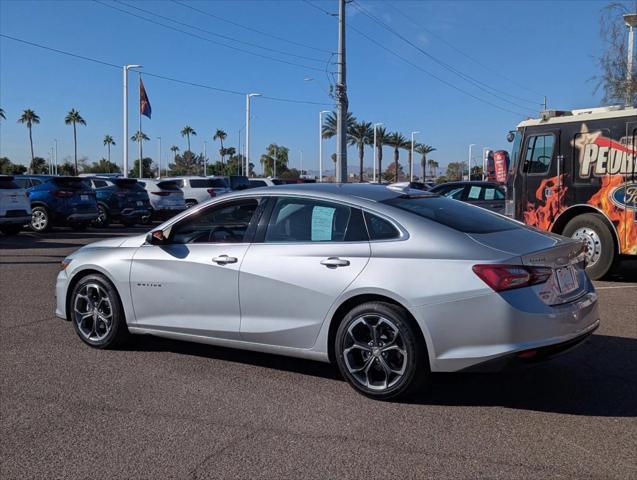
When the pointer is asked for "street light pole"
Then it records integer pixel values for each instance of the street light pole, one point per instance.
(301, 156)
(470, 156)
(341, 96)
(375, 165)
(631, 22)
(276, 152)
(159, 156)
(205, 159)
(411, 164)
(125, 139)
(56, 155)
(485, 162)
(248, 97)
(321, 144)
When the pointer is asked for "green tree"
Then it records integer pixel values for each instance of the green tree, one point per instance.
(140, 137)
(39, 166)
(454, 171)
(221, 136)
(186, 164)
(392, 174)
(292, 173)
(396, 140)
(102, 166)
(329, 125)
(66, 168)
(108, 141)
(360, 134)
(423, 150)
(476, 172)
(187, 131)
(433, 165)
(174, 149)
(74, 118)
(147, 172)
(277, 153)
(7, 167)
(382, 138)
(30, 118)
(613, 63)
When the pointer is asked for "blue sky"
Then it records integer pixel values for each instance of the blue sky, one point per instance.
(521, 49)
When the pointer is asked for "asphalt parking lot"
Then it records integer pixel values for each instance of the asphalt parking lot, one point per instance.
(165, 409)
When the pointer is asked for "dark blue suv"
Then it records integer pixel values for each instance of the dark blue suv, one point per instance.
(122, 200)
(58, 201)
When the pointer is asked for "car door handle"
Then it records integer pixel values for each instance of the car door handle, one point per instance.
(223, 259)
(333, 262)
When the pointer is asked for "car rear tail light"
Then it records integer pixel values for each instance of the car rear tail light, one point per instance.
(508, 277)
(161, 194)
(62, 193)
(212, 192)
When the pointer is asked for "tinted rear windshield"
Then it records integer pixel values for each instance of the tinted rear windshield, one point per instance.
(168, 185)
(201, 183)
(237, 181)
(218, 183)
(127, 184)
(453, 214)
(7, 183)
(76, 183)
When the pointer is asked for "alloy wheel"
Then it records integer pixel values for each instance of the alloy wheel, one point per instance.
(374, 352)
(93, 312)
(39, 220)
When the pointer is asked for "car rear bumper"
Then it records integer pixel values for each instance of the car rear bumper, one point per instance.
(22, 220)
(472, 331)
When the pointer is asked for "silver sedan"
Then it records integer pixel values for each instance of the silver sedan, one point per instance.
(390, 284)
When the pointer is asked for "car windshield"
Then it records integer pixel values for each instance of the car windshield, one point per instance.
(453, 214)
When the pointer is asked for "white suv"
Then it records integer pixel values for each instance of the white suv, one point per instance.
(196, 189)
(15, 207)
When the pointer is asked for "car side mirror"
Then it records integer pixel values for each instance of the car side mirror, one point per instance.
(156, 237)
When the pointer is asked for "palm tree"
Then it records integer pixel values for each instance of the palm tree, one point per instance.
(174, 149)
(329, 126)
(423, 150)
(108, 141)
(396, 140)
(2, 114)
(221, 136)
(186, 132)
(407, 146)
(360, 134)
(140, 137)
(73, 118)
(381, 139)
(30, 118)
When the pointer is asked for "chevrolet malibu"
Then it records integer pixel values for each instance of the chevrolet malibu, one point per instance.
(390, 284)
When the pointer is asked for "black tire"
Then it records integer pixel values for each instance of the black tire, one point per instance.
(80, 226)
(13, 229)
(40, 219)
(414, 372)
(104, 337)
(103, 220)
(191, 203)
(592, 228)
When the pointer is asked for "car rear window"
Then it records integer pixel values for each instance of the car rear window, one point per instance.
(201, 183)
(218, 183)
(453, 214)
(128, 184)
(168, 185)
(7, 183)
(72, 183)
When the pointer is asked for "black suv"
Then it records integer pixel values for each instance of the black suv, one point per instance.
(122, 200)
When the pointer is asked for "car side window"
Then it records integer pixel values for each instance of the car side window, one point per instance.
(226, 223)
(309, 220)
(22, 182)
(379, 228)
(99, 183)
(539, 153)
(455, 193)
(474, 192)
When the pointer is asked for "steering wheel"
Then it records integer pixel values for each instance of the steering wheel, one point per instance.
(221, 228)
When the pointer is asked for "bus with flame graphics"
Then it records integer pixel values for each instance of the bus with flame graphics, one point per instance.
(575, 173)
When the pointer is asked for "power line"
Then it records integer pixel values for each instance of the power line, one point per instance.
(267, 57)
(251, 29)
(156, 75)
(480, 85)
(464, 54)
(225, 37)
(418, 67)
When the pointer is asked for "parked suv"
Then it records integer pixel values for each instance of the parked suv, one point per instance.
(15, 208)
(121, 200)
(196, 189)
(166, 198)
(57, 201)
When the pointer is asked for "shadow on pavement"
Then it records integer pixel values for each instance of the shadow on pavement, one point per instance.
(597, 379)
(624, 271)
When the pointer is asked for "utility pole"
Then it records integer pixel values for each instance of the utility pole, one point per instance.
(545, 103)
(470, 156)
(159, 156)
(341, 97)
(247, 152)
(56, 155)
(631, 23)
(126, 68)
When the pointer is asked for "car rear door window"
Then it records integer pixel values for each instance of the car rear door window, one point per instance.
(99, 183)
(308, 220)
(22, 182)
(474, 192)
(379, 228)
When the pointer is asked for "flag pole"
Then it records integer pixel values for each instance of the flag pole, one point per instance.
(139, 137)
